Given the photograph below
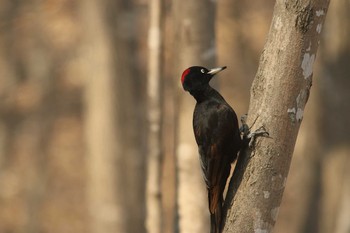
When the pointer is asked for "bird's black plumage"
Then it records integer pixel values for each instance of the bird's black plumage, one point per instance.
(217, 134)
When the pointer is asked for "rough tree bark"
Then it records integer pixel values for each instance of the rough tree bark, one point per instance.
(153, 186)
(278, 96)
(313, 201)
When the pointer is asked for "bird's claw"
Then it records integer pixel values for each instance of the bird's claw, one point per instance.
(248, 136)
(244, 129)
(259, 132)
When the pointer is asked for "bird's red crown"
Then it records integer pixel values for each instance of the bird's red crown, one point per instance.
(184, 75)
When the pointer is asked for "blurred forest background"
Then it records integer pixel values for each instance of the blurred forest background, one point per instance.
(75, 114)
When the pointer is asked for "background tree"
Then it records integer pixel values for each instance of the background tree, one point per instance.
(154, 94)
(106, 204)
(335, 140)
(41, 128)
(239, 42)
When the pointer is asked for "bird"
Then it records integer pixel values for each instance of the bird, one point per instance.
(217, 135)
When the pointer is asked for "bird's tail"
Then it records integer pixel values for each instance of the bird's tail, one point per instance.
(215, 222)
(215, 215)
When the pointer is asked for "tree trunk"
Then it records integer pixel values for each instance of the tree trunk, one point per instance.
(126, 27)
(278, 96)
(104, 159)
(153, 186)
(313, 201)
(194, 45)
(299, 210)
(41, 133)
(115, 132)
(170, 89)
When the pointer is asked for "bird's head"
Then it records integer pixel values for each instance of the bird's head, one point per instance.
(197, 77)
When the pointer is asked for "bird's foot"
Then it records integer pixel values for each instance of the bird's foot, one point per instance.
(248, 136)
(244, 128)
(259, 132)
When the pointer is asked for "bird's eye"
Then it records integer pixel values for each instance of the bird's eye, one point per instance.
(203, 71)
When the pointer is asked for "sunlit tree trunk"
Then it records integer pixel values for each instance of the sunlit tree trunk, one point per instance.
(154, 86)
(115, 114)
(300, 210)
(313, 201)
(105, 195)
(170, 90)
(278, 97)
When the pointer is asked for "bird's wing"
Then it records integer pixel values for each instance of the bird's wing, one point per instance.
(216, 134)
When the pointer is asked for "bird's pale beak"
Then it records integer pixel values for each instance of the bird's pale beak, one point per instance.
(214, 71)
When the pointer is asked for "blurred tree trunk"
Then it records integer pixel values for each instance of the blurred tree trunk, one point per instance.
(128, 28)
(232, 50)
(106, 200)
(154, 87)
(194, 45)
(240, 40)
(115, 132)
(170, 89)
(279, 94)
(40, 124)
(334, 73)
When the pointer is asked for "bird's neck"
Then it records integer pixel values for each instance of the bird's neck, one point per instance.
(205, 93)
